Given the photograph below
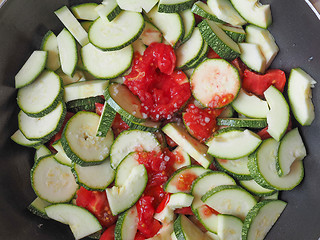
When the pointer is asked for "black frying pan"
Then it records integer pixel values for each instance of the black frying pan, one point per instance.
(22, 25)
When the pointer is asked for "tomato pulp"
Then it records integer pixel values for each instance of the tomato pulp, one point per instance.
(161, 89)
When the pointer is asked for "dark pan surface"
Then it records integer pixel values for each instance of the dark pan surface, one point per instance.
(23, 23)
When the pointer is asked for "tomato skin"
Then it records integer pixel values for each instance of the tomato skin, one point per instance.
(99, 108)
(258, 83)
(97, 203)
(118, 125)
(109, 233)
(184, 211)
(212, 54)
(163, 203)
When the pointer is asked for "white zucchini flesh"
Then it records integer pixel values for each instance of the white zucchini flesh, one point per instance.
(252, 56)
(84, 89)
(31, 69)
(52, 181)
(250, 105)
(291, 149)
(67, 52)
(253, 187)
(229, 227)
(61, 155)
(231, 200)
(137, 5)
(44, 127)
(183, 158)
(125, 167)
(106, 64)
(50, 44)
(186, 230)
(72, 24)
(279, 113)
(242, 142)
(19, 138)
(189, 23)
(235, 167)
(150, 34)
(127, 224)
(119, 33)
(300, 95)
(189, 144)
(42, 95)
(81, 222)
(41, 151)
(85, 11)
(264, 39)
(254, 12)
(224, 10)
(261, 218)
(170, 24)
(124, 197)
(129, 141)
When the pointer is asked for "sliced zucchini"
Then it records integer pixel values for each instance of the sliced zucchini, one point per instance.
(299, 93)
(85, 11)
(80, 142)
(129, 141)
(127, 225)
(150, 34)
(81, 222)
(118, 34)
(32, 68)
(94, 178)
(52, 181)
(67, 52)
(173, 6)
(261, 218)
(42, 128)
(189, 144)
(72, 24)
(125, 167)
(182, 158)
(224, 10)
(84, 89)
(262, 166)
(199, 60)
(50, 44)
(108, 9)
(242, 122)
(41, 151)
(291, 149)
(250, 105)
(229, 227)
(137, 5)
(124, 102)
(42, 96)
(237, 168)
(254, 12)
(205, 216)
(229, 199)
(138, 46)
(106, 120)
(61, 156)
(202, 10)
(170, 24)
(184, 229)
(84, 104)
(20, 139)
(190, 51)
(78, 76)
(236, 33)
(176, 182)
(253, 187)
(279, 113)
(218, 40)
(241, 141)
(38, 206)
(124, 197)
(189, 23)
(264, 39)
(148, 125)
(106, 64)
(252, 56)
(227, 112)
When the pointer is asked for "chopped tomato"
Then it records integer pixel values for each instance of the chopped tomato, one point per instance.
(139, 236)
(109, 233)
(163, 203)
(57, 136)
(161, 89)
(208, 211)
(97, 203)
(212, 54)
(118, 125)
(99, 108)
(258, 83)
(197, 18)
(147, 225)
(185, 181)
(184, 210)
(201, 123)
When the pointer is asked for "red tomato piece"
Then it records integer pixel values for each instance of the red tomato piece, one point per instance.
(212, 54)
(161, 89)
(97, 203)
(201, 123)
(109, 233)
(258, 83)
(184, 210)
(118, 125)
(99, 108)
(139, 236)
(185, 181)
(163, 203)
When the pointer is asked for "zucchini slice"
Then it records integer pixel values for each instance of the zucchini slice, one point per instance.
(108, 9)
(237, 168)
(173, 6)
(202, 10)
(127, 225)
(229, 227)
(242, 122)
(189, 23)
(80, 142)
(50, 44)
(20, 139)
(184, 229)
(38, 206)
(85, 11)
